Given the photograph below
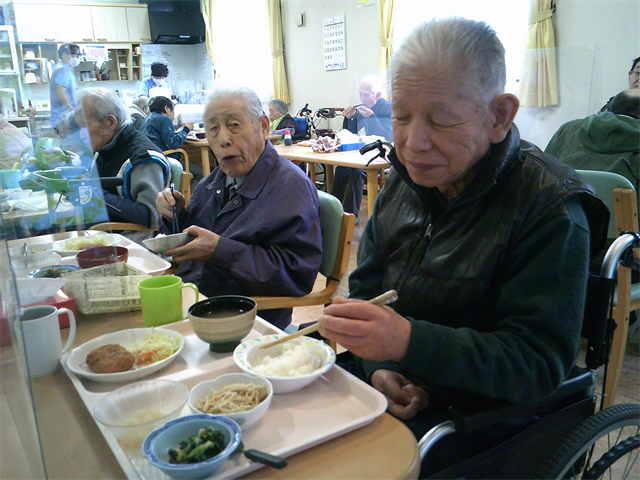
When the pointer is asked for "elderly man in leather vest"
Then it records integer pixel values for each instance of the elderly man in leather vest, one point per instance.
(486, 239)
(255, 217)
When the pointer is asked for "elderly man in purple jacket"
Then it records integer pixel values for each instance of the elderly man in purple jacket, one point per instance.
(255, 218)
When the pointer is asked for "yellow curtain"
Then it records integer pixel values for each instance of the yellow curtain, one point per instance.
(280, 86)
(539, 80)
(385, 17)
(208, 13)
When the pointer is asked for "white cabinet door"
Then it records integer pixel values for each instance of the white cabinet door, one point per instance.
(109, 24)
(73, 23)
(35, 22)
(138, 22)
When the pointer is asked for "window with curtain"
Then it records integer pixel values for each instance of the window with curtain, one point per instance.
(509, 19)
(243, 49)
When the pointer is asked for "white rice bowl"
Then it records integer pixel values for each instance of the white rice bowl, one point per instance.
(289, 366)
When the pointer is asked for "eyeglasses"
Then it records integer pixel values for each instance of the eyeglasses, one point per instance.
(634, 72)
(366, 94)
(75, 55)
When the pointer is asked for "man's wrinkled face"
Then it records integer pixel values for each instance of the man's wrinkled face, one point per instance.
(367, 96)
(236, 141)
(100, 132)
(440, 132)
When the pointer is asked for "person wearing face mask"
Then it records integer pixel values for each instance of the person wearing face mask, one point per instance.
(62, 87)
(159, 72)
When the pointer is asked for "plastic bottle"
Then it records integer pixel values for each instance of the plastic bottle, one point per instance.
(287, 138)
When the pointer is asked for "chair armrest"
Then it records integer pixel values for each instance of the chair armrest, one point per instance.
(487, 412)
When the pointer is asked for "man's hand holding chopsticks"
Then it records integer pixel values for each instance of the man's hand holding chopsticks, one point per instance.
(165, 201)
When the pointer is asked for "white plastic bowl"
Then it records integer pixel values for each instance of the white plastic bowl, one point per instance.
(164, 397)
(248, 354)
(158, 443)
(245, 419)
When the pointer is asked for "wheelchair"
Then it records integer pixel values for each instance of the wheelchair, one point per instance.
(568, 439)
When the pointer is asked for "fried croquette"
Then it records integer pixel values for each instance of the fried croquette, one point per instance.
(110, 358)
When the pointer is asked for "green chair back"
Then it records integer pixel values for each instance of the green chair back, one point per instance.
(331, 212)
(604, 183)
(176, 171)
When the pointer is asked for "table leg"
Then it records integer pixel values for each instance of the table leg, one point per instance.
(328, 176)
(204, 156)
(372, 189)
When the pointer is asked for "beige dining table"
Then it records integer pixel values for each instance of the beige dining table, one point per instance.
(351, 158)
(193, 145)
(74, 447)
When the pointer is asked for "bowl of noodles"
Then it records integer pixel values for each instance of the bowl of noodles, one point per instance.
(239, 396)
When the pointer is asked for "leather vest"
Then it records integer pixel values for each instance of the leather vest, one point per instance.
(435, 249)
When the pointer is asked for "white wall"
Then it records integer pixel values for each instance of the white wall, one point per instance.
(596, 43)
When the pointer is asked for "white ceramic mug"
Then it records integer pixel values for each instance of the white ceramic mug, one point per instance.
(42, 339)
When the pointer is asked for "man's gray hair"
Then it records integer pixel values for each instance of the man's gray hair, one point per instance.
(101, 104)
(249, 98)
(469, 47)
(374, 81)
(279, 105)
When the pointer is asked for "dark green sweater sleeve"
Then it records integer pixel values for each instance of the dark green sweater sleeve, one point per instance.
(537, 318)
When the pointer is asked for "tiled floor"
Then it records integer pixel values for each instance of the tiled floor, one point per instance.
(628, 388)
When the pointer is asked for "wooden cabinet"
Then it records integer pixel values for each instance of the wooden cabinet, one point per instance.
(138, 24)
(81, 23)
(109, 24)
(35, 23)
(73, 24)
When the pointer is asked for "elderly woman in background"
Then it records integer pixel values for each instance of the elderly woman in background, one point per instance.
(158, 125)
(280, 119)
(139, 109)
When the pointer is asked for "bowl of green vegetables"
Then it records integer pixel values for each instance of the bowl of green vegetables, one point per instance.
(192, 447)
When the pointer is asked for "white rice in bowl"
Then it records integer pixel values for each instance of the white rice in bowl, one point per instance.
(294, 360)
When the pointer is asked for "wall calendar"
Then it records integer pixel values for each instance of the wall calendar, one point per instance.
(333, 42)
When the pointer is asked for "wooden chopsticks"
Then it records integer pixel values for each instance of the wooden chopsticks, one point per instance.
(384, 299)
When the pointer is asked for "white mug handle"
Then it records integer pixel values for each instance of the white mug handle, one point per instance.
(72, 328)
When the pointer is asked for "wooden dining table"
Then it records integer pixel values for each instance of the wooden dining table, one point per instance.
(200, 153)
(74, 447)
(350, 158)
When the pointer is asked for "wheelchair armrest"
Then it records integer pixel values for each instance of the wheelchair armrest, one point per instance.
(487, 412)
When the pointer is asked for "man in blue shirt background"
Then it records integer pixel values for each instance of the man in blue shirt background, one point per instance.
(159, 73)
(62, 88)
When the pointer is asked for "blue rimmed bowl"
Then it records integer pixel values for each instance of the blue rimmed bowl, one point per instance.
(156, 446)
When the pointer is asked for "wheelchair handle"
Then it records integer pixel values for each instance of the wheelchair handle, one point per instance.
(617, 251)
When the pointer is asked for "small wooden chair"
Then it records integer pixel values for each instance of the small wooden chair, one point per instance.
(180, 178)
(337, 236)
(618, 194)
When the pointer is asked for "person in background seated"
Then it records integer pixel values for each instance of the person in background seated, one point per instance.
(159, 73)
(62, 86)
(15, 146)
(281, 120)
(255, 218)
(158, 125)
(633, 79)
(123, 152)
(607, 141)
(485, 239)
(373, 117)
(139, 109)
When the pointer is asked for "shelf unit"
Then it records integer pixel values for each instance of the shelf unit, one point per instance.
(34, 58)
(8, 57)
(128, 62)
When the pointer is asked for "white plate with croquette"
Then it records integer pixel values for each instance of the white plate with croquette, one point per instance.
(136, 340)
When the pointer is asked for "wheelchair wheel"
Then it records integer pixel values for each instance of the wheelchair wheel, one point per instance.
(605, 445)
